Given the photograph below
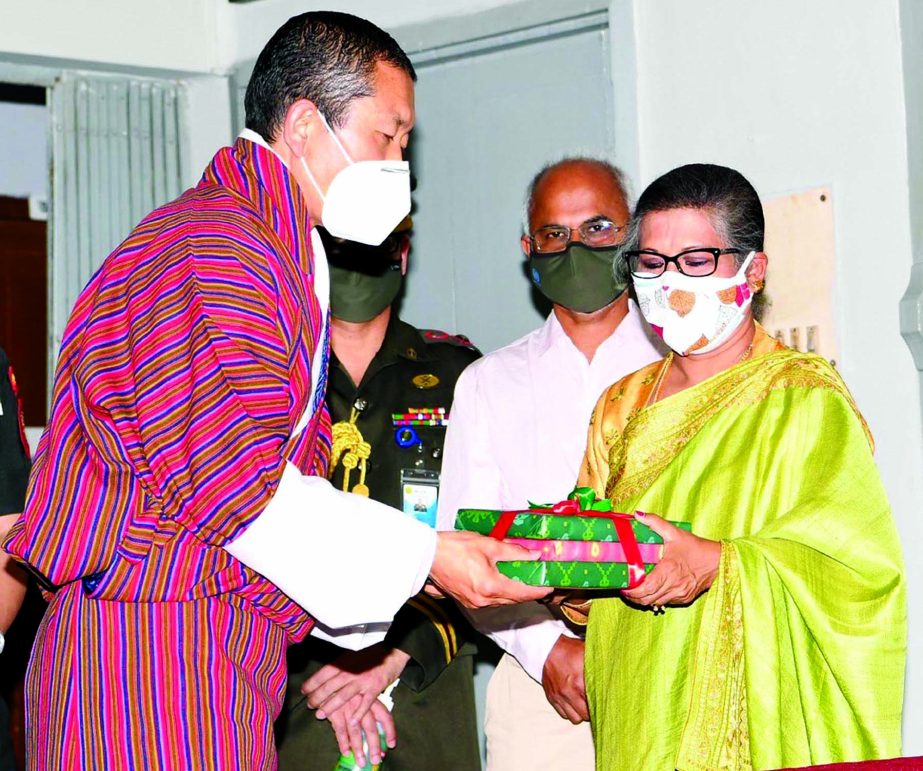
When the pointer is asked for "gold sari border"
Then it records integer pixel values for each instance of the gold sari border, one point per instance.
(658, 432)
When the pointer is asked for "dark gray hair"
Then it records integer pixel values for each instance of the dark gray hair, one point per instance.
(730, 201)
(725, 195)
(618, 177)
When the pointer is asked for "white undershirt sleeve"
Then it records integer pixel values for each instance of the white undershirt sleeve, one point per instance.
(471, 477)
(349, 561)
(527, 632)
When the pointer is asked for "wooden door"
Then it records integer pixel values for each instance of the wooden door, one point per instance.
(24, 304)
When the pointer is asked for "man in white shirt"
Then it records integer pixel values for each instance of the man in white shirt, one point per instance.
(518, 431)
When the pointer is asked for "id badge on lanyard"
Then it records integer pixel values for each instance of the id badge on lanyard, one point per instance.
(420, 494)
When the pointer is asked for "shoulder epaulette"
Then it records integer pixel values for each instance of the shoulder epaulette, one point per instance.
(438, 336)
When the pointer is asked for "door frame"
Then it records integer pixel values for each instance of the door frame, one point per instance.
(527, 20)
(520, 21)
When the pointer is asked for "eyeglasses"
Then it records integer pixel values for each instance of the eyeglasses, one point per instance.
(646, 263)
(595, 232)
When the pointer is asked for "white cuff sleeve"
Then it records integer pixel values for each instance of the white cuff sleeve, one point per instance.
(347, 560)
(527, 632)
(354, 637)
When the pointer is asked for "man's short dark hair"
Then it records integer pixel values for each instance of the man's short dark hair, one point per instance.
(323, 56)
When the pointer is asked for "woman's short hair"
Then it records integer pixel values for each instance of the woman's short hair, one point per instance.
(324, 56)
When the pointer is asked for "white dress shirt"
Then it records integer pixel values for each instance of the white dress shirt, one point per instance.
(352, 589)
(517, 433)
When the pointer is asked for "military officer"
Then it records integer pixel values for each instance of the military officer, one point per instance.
(389, 393)
(14, 450)
(14, 476)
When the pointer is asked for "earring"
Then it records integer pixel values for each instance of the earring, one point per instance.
(758, 286)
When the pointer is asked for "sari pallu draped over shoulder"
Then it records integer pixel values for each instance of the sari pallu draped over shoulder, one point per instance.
(795, 655)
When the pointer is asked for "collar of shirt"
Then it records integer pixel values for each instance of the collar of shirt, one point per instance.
(317, 267)
(257, 139)
(321, 274)
(253, 171)
(631, 331)
(401, 342)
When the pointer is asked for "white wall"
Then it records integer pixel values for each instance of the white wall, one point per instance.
(795, 95)
(244, 28)
(173, 34)
(132, 36)
(912, 50)
(207, 117)
(23, 149)
(185, 35)
(33, 434)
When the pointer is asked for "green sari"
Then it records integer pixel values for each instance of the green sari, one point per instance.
(795, 656)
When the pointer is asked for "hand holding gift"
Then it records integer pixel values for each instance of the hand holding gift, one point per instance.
(688, 567)
(466, 567)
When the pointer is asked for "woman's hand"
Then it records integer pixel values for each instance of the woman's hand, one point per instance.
(688, 566)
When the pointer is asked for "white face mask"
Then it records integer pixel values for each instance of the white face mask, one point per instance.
(366, 200)
(694, 314)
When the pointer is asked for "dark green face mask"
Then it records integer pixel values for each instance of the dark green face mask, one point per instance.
(364, 280)
(579, 278)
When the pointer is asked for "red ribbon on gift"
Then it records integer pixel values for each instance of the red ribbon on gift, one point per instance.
(571, 507)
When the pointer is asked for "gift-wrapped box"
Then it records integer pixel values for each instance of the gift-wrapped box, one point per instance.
(583, 543)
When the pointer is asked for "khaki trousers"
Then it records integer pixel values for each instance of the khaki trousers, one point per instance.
(524, 732)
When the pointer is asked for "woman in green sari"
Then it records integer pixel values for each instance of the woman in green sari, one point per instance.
(775, 635)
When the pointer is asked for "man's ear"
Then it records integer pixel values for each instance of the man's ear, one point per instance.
(525, 242)
(405, 250)
(302, 122)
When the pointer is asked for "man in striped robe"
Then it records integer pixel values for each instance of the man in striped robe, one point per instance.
(178, 512)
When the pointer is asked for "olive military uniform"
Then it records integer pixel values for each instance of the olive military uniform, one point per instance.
(14, 455)
(14, 477)
(409, 381)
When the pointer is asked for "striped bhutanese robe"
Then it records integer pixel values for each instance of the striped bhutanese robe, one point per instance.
(185, 367)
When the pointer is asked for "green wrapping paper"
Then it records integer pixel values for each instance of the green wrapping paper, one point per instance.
(538, 523)
(553, 527)
(570, 575)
